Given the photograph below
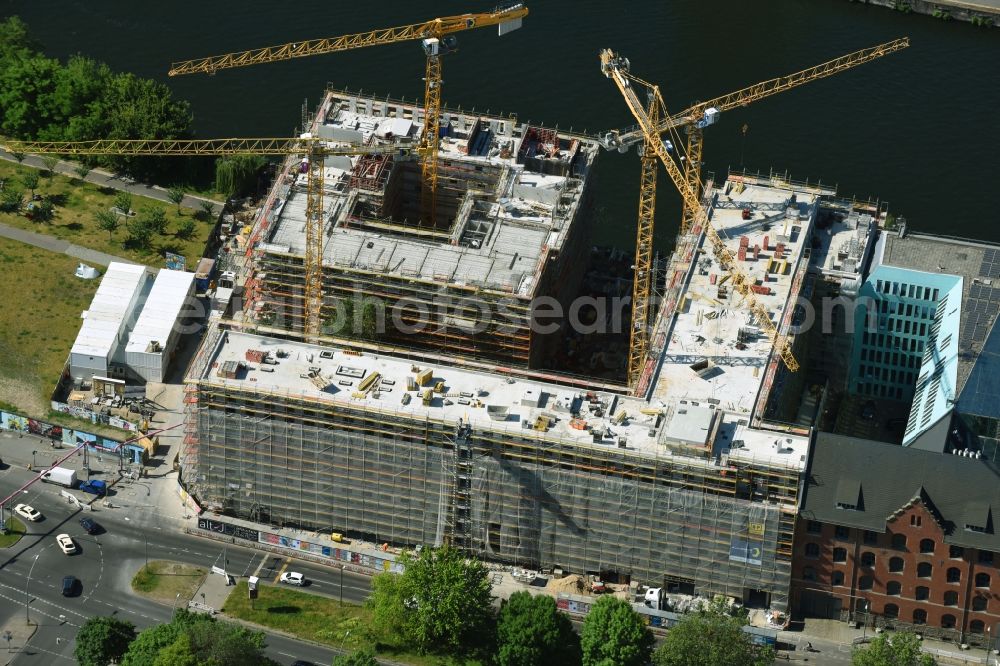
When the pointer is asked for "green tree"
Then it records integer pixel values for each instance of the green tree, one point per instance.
(237, 175)
(178, 653)
(532, 630)
(362, 657)
(900, 648)
(19, 156)
(11, 199)
(207, 210)
(44, 211)
(155, 218)
(441, 601)
(140, 234)
(102, 640)
(123, 202)
(50, 162)
(711, 637)
(82, 170)
(30, 180)
(176, 196)
(209, 641)
(614, 635)
(108, 221)
(186, 228)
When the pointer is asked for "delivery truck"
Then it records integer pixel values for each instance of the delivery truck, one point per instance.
(60, 476)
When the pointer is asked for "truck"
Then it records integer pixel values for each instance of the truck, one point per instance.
(60, 476)
(94, 487)
(203, 274)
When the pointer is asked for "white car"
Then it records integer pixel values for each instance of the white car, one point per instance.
(66, 544)
(292, 578)
(28, 513)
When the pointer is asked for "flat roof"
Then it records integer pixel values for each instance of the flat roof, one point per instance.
(708, 326)
(842, 244)
(507, 404)
(109, 309)
(163, 307)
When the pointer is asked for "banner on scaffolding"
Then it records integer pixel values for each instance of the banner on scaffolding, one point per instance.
(749, 552)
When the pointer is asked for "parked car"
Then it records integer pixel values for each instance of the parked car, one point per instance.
(89, 526)
(292, 578)
(66, 544)
(70, 586)
(28, 513)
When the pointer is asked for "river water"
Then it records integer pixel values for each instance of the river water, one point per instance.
(917, 129)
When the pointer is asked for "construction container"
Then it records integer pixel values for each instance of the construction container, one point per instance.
(744, 241)
(428, 397)
(424, 377)
(439, 386)
(255, 355)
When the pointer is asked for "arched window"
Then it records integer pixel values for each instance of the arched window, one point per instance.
(867, 559)
(891, 611)
(919, 616)
(895, 565)
(982, 580)
(839, 554)
(899, 541)
(924, 570)
(865, 583)
(951, 598)
(976, 627)
(979, 603)
(947, 621)
(812, 549)
(837, 578)
(927, 546)
(922, 593)
(893, 588)
(953, 575)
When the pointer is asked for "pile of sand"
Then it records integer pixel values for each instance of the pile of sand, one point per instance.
(571, 584)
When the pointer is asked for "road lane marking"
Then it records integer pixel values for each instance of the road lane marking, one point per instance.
(284, 566)
(263, 559)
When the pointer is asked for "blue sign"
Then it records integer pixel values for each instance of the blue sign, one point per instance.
(746, 551)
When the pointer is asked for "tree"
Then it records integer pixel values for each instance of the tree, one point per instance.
(44, 211)
(207, 210)
(900, 648)
(108, 221)
(362, 657)
(237, 175)
(50, 162)
(440, 601)
(11, 199)
(711, 637)
(123, 202)
(102, 640)
(30, 180)
(195, 638)
(82, 170)
(186, 229)
(18, 155)
(154, 218)
(614, 634)
(532, 630)
(140, 235)
(176, 196)
(178, 653)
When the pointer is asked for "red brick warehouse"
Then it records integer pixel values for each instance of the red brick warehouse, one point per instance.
(901, 538)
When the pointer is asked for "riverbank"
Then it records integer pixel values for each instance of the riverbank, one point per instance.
(978, 12)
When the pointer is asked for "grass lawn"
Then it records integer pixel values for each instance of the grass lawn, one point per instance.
(163, 581)
(77, 203)
(15, 530)
(324, 620)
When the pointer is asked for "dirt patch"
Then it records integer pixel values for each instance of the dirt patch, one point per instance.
(163, 581)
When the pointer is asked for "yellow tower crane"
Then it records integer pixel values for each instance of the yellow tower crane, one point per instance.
(694, 119)
(438, 39)
(312, 148)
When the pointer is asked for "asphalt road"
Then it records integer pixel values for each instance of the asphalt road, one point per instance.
(105, 566)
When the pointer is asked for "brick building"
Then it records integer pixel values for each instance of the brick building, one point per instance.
(899, 537)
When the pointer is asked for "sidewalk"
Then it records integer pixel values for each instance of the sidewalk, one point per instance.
(58, 245)
(14, 635)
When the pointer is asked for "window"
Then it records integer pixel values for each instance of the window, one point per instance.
(919, 616)
(922, 593)
(896, 565)
(865, 583)
(947, 621)
(837, 578)
(927, 546)
(956, 552)
(924, 570)
(915, 522)
(870, 538)
(976, 627)
(899, 541)
(953, 575)
(982, 580)
(812, 549)
(814, 527)
(986, 557)
(842, 532)
(809, 573)
(951, 598)
(979, 603)
(891, 611)
(867, 559)
(839, 554)
(893, 588)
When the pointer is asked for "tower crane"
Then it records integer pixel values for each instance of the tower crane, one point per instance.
(657, 122)
(437, 38)
(313, 148)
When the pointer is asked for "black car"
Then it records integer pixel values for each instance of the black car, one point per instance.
(89, 526)
(69, 586)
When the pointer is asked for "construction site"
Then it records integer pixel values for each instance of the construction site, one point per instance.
(447, 426)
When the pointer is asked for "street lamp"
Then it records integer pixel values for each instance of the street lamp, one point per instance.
(33, 459)
(987, 646)
(27, 618)
(174, 605)
(864, 631)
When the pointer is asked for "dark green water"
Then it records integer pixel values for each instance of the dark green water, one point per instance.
(917, 129)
